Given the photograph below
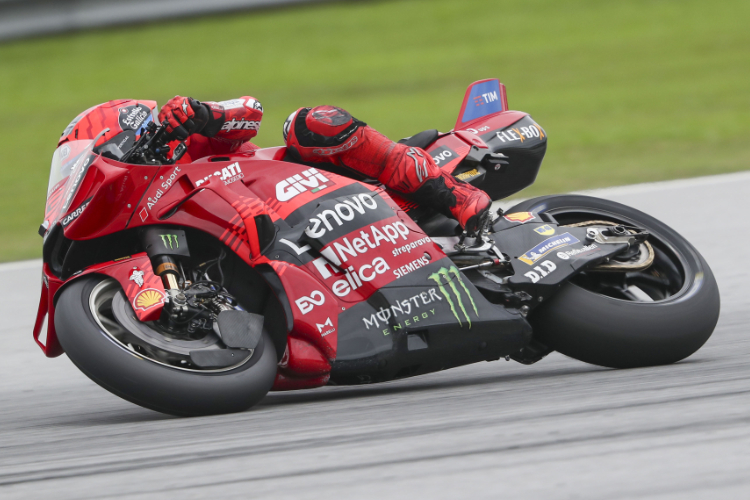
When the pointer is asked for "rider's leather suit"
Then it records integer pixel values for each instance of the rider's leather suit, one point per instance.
(326, 134)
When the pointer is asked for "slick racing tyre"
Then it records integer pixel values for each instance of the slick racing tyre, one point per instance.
(656, 316)
(148, 369)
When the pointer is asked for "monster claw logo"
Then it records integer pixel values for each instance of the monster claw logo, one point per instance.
(170, 241)
(438, 276)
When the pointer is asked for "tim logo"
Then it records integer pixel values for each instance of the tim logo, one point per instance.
(170, 241)
(443, 277)
(485, 98)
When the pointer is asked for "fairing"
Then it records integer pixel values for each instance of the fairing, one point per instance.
(363, 293)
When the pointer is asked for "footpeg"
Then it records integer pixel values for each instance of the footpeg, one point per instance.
(240, 329)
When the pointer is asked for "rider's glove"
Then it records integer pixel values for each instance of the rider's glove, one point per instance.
(185, 116)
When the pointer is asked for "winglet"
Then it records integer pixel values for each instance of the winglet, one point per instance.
(483, 98)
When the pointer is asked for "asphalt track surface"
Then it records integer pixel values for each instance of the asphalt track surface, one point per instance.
(557, 429)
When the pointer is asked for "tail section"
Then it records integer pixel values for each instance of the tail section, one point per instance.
(483, 98)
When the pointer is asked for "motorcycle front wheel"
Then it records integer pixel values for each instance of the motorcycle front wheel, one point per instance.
(619, 319)
(97, 328)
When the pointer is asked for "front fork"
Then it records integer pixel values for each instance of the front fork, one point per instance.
(165, 246)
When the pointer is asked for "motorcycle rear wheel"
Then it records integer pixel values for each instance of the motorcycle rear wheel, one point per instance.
(654, 317)
(128, 371)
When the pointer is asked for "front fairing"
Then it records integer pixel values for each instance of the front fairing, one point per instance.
(69, 165)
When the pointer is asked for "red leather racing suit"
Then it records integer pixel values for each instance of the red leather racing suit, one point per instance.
(327, 134)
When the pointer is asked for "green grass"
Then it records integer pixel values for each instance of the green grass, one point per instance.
(627, 91)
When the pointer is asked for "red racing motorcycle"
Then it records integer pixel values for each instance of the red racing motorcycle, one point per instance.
(196, 288)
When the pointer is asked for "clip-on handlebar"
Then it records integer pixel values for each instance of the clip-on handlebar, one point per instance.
(152, 148)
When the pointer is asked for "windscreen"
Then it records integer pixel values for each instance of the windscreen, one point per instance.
(69, 165)
(63, 162)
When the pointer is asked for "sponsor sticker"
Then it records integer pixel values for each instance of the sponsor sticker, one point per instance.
(411, 266)
(339, 149)
(520, 217)
(232, 103)
(229, 174)
(327, 326)
(567, 254)
(419, 169)
(449, 277)
(468, 174)
(134, 117)
(148, 298)
(74, 214)
(545, 268)
(520, 134)
(241, 124)
(484, 99)
(137, 277)
(151, 201)
(545, 230)
(534, 254)
(310, 180)
(170, 241)
(404, 313)
(307, 304)
(389, 231)
(341, 213)
(443, 155)
(254, 104)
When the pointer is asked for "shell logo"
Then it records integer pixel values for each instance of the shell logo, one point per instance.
(147, 299)
(520, 217)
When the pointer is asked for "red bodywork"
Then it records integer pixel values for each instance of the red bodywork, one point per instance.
(221, 195)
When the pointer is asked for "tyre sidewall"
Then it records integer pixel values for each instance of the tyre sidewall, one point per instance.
(149, 384)
(617, 333)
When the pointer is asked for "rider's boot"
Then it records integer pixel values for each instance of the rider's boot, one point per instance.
(330, 134)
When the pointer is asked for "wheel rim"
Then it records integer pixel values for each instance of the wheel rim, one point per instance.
(145, 340)
(668, 278)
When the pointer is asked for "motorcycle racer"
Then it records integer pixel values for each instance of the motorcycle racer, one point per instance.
(327, 134)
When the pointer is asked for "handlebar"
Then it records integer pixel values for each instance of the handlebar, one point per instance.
(152, 148)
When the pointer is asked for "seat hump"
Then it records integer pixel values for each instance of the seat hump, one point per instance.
(421, 140)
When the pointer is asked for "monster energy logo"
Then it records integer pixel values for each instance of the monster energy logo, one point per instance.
(168, 239)
(438, 276)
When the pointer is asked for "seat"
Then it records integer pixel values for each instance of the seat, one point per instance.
(421, 140)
